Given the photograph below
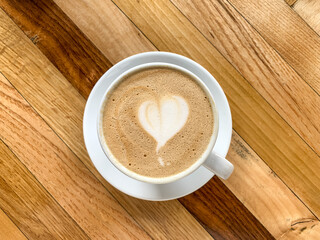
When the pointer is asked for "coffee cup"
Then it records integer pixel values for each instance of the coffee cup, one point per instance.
(159, 134)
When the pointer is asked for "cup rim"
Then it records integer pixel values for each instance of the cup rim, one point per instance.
(171, 178)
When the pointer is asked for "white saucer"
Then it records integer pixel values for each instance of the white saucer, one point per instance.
(119, 180)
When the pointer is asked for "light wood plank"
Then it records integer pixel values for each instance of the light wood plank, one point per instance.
(249, 226)
(309, 10)
(259, 63)
(62, 107)
(8, 230)
(103, 17)
(265, 195)
(254, 119)
(276, 221)
(65, 177)
(27, 203)
(291, 2)
(287, 33)
(307, 230)
(51, 31)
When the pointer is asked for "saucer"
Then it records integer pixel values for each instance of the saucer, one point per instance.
(130, 186)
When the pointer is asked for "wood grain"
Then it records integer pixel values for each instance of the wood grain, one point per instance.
(300, 46)
(277, 221)
(51, 30)
(8, 230)
(259, 63)
(291, 2)
(167, 215)
(203, 205)
(254, 119)
(61, 106)
(65, 177)
(309, 10)
(103, 17)
(266, 196)
(307, 230)
(26, 202)
(283, 208)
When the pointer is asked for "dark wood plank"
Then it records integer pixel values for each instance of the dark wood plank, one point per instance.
(222, 214)
(29, 205)
(60, 40)
(237, 230)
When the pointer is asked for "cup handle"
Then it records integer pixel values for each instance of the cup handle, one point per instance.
(219, 165)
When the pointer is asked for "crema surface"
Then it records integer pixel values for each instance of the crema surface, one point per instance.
(157, 122)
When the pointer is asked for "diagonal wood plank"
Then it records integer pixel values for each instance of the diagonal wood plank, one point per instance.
(45, 155)
(123, 37)
(202, 204)
(27, 203)
(8, 230)
(259, 63)
(254, 119)
(309, 10)
(52, 34)
(255, 227)
(60, 172)
(265, 195)
(287, 33)
(241, 228)
(289, 206)
(62, 107)
(307, 230)
(291, 2)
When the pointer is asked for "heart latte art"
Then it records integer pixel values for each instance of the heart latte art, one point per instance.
(163, 119)
(157, 122)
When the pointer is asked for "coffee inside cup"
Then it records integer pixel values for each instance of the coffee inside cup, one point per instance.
(157, 122)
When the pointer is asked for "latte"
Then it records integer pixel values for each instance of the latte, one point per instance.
(157, 122)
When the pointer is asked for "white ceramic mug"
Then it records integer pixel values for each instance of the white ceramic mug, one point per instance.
(212, 161)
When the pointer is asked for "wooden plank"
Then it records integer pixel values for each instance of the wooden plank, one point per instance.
(45, 155)
(8, 230)
(164, 213)
(254, 119)
(241, 224)
(259, 63)
(290, 209)
(123, 38)
(287, 33)
(27, 203)
(260, 178)
(60, 172)
(307, 230)
(51, 30)
(291, 2)
(62, 107)
(266, 196)
(309, 10)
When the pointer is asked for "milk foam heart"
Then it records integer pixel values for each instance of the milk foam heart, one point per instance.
(163, 119)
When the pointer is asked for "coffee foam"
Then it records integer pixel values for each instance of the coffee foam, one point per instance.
(157, 122)
(165, 118)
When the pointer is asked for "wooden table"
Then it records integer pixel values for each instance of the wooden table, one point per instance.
(265, 55)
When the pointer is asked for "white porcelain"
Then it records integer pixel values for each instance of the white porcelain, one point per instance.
(193, 167)
(134, 187)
